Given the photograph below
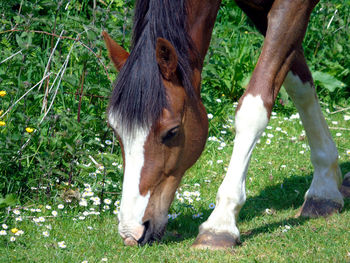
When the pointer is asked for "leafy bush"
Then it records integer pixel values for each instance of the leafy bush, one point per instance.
(55, 136)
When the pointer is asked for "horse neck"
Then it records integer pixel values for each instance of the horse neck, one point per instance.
(201, 19)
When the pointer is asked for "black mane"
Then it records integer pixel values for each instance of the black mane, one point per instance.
(139, 95)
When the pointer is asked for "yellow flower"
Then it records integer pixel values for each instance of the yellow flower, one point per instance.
(29, 130)
(2, 123)
(1, 112)
(2, 93)
(14, 230)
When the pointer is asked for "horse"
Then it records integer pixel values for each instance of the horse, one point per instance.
(158, 117)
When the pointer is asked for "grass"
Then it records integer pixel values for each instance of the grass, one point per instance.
(279, 175)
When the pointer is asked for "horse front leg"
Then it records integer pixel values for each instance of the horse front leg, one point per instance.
(287, 22)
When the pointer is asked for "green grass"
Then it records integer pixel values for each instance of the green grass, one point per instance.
(277, 179)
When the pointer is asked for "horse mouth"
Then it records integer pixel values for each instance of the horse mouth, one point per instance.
(151, 233)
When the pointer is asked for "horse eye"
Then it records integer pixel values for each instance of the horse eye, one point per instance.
(170, 134)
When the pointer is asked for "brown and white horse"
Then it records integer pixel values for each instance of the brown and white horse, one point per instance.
(157, 113)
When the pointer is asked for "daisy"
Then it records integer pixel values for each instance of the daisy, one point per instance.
(3, 233)
(60, 206)
(46, 234)
(211, 206)
(62, 244)
(4, 226)
(54, 213)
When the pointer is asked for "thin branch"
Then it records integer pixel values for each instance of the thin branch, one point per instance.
(25, 94)
(339, 128)
(11, 56)
(337, 111)
(62, 37)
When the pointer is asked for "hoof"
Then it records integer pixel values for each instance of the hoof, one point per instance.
(345, 188)
(313, 208)
(215, 241)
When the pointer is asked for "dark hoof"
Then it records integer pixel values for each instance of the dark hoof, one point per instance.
(345, 188)
(313, 208)
(215, 241)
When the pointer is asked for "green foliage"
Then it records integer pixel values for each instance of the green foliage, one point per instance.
(60, 148)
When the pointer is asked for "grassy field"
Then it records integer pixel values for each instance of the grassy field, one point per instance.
(279, 174)
(55, 145)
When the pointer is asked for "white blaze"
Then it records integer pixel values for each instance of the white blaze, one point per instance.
(133, 204)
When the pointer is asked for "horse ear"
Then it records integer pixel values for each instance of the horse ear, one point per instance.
(117, 54)
(166, 58)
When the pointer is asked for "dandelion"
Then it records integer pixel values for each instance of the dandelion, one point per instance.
(62, 244)
(4, 226)
(54, 213)
(2, 93)
(211, 206)
(29, 130)
(14, 230)
(12, 239)
(2, 123)
(3, 233)
(46, 234)
(60, 206)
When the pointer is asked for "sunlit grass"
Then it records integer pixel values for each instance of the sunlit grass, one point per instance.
(279, 174)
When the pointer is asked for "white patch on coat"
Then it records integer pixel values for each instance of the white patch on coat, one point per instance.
(133, 204)
(324, 155)
(251, 120)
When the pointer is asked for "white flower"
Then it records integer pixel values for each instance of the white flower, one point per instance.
(268, 141)
(270, 135)
(338, 134)
(4, 226)
(347, 152)
(335, 122)
(41, 219)
(104, 259)
(83, 202)
(81, 217)
(48, 207)
(301, 152)
(114, 164)
(60, 206)
(346, 117)
(219, 161)
(54, 213)
(3, 233)
(16, 212)
(62, 244)
(107, 201)
(12, 239)
(19, 233)
(106, 207)
(218, 100)
(108, 142)
(18, 218)
(210, 116)
(46, 234)
(97, 139)
(84, 261)
(269, 127)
